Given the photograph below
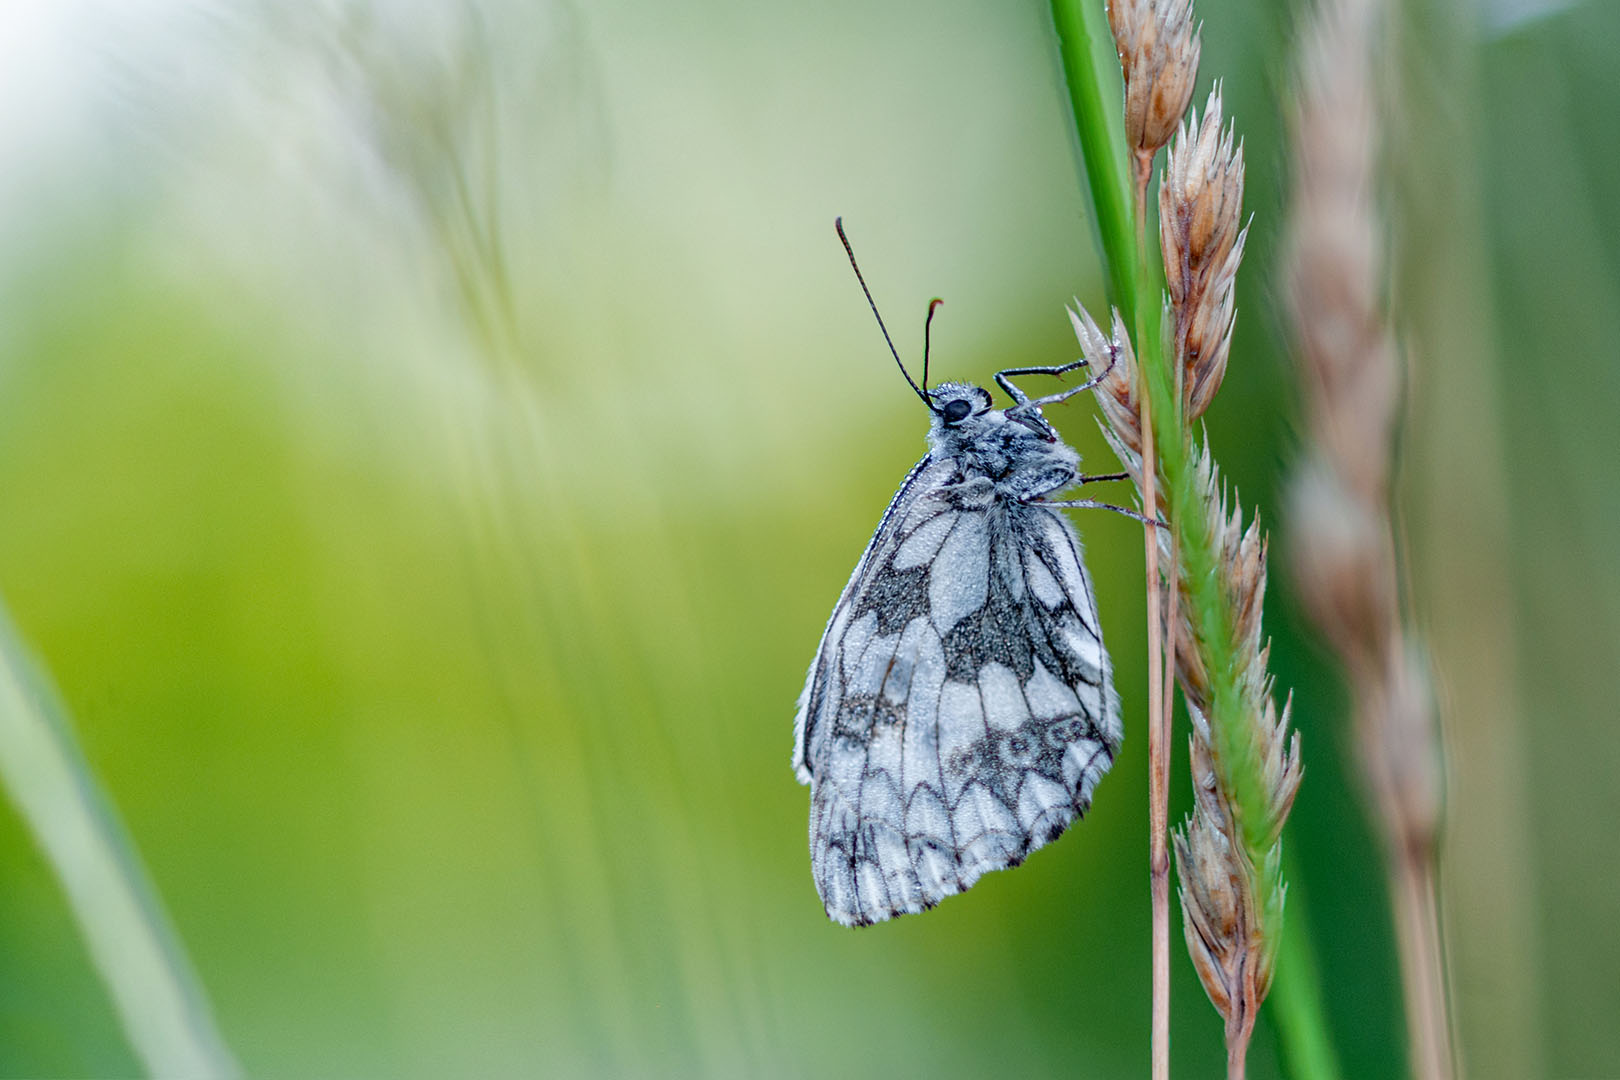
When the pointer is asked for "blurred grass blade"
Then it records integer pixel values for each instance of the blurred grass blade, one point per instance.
(158, 997)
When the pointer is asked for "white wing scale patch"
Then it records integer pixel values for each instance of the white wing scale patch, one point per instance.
(957, 579)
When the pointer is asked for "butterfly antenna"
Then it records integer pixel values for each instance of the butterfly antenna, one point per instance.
(927, 324)
(838, 223)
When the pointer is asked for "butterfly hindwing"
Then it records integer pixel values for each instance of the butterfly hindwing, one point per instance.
(960, 708)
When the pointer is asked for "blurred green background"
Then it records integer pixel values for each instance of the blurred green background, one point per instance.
(432, 437)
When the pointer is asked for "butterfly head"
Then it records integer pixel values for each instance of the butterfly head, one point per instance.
(963, 417)
(956, 403)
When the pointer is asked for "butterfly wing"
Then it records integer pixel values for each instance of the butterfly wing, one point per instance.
(960, 709)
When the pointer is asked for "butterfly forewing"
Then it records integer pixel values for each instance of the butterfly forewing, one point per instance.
(960, 708)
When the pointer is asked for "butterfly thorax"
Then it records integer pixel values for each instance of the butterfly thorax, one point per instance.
(1020, 461)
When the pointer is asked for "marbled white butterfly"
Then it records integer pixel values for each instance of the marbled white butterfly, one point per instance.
(960, 708)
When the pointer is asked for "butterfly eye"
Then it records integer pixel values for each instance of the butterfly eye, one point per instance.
(956, 410)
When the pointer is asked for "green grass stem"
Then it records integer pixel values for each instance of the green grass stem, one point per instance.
(1086, 51)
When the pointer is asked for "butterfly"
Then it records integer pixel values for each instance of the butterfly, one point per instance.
(960, 709)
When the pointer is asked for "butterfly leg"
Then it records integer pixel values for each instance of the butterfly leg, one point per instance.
(1083, 479)
(1095, 505)
(1003, 377)
(1062, 395)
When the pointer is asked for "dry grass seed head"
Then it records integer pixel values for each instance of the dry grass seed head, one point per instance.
(1116, 393)
(1159, 45)
(1216, 888)
(1202, 240)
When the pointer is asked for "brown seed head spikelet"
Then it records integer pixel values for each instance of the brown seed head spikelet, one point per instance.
(1219, 906)
(1202, 238)
(1224, 909)
(1158, 45)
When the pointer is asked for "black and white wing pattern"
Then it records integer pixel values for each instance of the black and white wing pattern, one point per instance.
(960, 708)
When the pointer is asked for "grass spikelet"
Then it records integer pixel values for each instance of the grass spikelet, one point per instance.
(1200, 203)
(1158, 45)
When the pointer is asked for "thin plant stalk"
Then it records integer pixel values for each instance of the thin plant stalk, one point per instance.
(1162, 614)
(1166, 728)
(1158, 55)
(1158, 786)
(1159, 673)
(1086, 45)
(158, 997)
